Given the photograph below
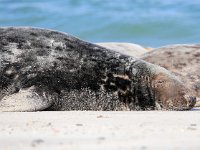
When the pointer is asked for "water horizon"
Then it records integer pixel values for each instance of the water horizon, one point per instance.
(151, 23)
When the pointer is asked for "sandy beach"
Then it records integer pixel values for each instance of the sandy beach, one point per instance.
(45, 70)
(90, 130)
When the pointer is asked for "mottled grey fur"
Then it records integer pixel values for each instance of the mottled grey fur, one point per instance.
(48, 70)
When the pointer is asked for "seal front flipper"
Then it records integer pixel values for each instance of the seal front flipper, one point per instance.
(25, 100)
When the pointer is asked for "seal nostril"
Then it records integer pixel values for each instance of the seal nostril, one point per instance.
(191, 101)
(193, 98)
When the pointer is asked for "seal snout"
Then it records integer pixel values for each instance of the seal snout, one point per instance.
(191, 101)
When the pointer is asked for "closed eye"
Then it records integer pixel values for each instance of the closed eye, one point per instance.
(160, 81)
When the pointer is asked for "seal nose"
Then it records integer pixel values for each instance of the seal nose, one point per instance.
(191, 101)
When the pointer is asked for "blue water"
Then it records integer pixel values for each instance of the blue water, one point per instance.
(146, 22)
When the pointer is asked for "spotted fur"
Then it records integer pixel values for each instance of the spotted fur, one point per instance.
(48, 70)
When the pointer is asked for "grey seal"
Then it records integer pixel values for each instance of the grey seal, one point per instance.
(48, 70)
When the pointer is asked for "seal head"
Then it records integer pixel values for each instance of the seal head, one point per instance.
(171, 94)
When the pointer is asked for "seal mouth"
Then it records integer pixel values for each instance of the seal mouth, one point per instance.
(187, 102)
(191, 101)
(180, 108)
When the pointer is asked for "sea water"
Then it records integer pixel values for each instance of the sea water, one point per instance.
(147, 22)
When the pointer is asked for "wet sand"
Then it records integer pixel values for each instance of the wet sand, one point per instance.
(90, 130)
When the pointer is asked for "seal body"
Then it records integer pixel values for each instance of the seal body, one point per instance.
(48, 70)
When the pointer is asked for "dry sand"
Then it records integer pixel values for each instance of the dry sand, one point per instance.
(134, 130)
